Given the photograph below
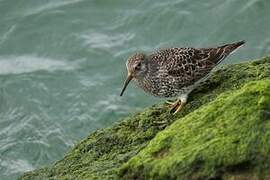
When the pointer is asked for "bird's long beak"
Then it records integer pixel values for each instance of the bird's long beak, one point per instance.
(129, 78)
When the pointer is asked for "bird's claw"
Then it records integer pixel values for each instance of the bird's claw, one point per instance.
(173, 105)
(176, 106)
(179, 108)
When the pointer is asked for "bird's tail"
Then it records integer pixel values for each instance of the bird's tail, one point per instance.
(221, 52)
(230, 48)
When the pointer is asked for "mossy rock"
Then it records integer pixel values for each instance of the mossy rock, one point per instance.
(228, 137)
(223, 132)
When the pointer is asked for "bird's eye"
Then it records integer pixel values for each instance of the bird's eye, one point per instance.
(138, 66)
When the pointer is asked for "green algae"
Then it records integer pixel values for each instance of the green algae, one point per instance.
(124, 149)
(231, 132)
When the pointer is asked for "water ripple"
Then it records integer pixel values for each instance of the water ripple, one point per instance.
(49, 6)
(32, 63)
(99, 40)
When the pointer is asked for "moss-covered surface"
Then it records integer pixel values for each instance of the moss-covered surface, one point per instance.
(232, 133)
(228, 137)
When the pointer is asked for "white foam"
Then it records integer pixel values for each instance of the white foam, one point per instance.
(49, 6)
(32, 63)
(17, 166)
(5, 36)
(98, 40)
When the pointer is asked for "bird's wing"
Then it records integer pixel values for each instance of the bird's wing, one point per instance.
(188, 63)
(192, 64)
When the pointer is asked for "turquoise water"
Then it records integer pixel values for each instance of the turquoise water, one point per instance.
(62, 63)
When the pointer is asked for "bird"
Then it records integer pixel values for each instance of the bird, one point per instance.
(175, 72)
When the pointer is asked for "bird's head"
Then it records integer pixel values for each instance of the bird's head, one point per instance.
(136, 68)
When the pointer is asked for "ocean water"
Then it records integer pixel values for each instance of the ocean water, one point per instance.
(62, 63)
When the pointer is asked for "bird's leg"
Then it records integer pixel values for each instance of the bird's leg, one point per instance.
(173, 105)
(179, 108)
(183, 101)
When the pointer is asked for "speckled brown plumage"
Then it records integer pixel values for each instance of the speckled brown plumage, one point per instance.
(175, 72)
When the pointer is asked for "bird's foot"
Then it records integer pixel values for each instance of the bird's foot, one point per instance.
(176, 106)
(173, 105)
(179, 108)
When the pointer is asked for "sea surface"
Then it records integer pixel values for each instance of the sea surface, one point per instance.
(62, 63)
